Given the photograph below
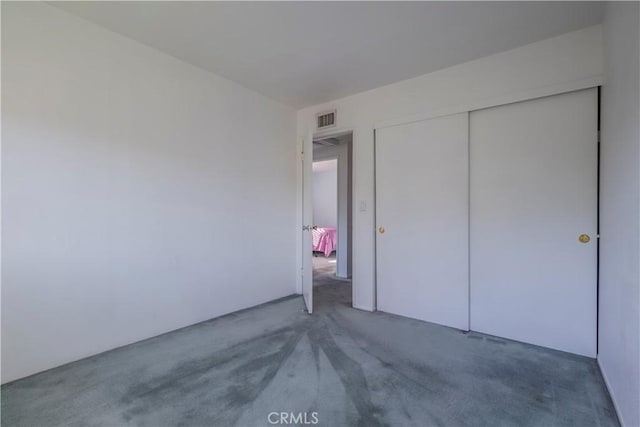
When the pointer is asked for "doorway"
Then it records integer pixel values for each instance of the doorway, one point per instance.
(331, 241)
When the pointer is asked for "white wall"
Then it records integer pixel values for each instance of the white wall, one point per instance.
(619, 321)
(131, 185)
(325, 196)
(568, 62)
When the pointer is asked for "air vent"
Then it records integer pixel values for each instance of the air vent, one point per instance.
(326, 120)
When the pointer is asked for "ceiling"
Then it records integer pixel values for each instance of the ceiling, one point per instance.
(305, 53)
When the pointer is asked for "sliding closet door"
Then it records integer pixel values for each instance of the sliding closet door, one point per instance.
(534, 221)
(422, 220)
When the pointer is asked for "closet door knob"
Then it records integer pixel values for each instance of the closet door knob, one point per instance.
(584, 238)
(381, 230)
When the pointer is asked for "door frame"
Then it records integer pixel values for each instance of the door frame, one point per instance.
(305, 142)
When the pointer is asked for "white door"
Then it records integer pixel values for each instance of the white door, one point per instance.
(422, 211)
(307, 219)
(533, 193)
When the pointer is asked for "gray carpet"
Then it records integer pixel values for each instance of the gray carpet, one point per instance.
(349, 366)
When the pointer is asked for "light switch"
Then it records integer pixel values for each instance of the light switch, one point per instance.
(363, 206)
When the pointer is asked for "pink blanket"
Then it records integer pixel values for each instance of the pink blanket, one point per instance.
(324, 240)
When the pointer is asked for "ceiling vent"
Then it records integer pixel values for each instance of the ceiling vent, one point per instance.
(326, 119)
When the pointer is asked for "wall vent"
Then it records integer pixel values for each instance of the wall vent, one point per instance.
(326, 119)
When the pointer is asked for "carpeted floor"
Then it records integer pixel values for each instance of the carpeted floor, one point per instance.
(349, 367)
(323, 264)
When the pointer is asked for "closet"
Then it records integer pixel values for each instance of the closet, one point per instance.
(490, 220)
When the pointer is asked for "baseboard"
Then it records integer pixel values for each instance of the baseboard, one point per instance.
(611, 395)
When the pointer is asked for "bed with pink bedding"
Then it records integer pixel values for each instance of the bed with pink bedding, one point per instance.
(324, 240)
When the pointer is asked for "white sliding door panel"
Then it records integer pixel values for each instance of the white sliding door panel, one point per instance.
(422, 205)
(533, 193)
